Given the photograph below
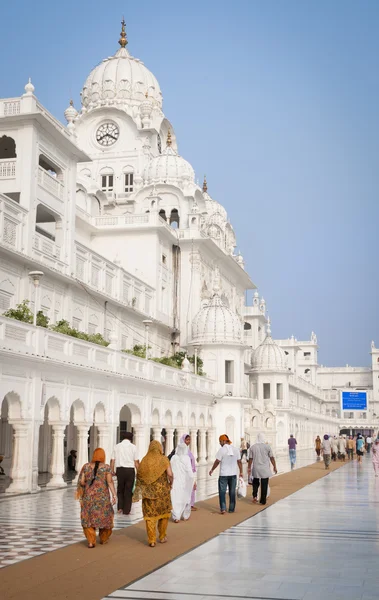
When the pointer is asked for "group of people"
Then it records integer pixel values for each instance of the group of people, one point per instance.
(333, 448)
(166, 485)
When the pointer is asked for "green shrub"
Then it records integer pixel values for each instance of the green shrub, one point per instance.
(23, 313)
(64, 327)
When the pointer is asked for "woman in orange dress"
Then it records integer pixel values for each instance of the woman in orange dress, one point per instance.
(154, 482)
(94, 482)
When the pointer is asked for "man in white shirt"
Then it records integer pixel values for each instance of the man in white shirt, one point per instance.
(369, 443)
(228, 457)
(124, 462)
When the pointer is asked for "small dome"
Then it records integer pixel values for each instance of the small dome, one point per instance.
(120, 79)
(268, 357)
(215, 323)
(212, 206)
(169, 168)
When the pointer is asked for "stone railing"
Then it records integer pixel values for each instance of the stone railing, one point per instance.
(46, 246)
(11, 218)
(50, 183)
(25, 339)
(307, 387)
(8, 168)
(10, 107)
(127, 220)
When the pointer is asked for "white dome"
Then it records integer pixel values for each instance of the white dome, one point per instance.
(120, 79)
(169, 168)
(212, 206)
(268, 357)
(215, 323)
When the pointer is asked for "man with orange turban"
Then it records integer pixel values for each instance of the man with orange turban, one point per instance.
(228, 457)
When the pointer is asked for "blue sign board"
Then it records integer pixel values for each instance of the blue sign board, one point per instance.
(354, 400)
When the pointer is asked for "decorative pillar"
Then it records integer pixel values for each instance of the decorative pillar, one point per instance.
(193, 434)
(202, 446)
(169, 440)
(140, 440)
(82, 444)
(211, 445)
(20, 470)
(35, 487)
(104, 441)
(181, 431)
(157, 434)
(57, 457)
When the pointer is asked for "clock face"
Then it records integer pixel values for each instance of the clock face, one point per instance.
(107, 134)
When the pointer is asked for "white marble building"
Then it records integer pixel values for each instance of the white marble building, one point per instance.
(128, 246)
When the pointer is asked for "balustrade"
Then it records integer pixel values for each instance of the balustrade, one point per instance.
(50, 183)
(7, 168)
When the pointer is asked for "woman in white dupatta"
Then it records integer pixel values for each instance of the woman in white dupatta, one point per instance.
(183, 484)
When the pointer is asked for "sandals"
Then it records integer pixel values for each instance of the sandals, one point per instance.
(152, 545)
(163, 541)
(91, 545)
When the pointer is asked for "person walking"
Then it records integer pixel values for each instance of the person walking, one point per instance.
(243, 448)
(186, 439)
(350, 447)
(261, 458)
(96, 512)
(292, 443)
(326, 451)
(368, 443)
(183, 483)
(360, 447)
(71, 461)
(375, 457)
(318, 443)
(342, 447)
(154, 483)
(228, 457)
(334, 447)
(124, 464)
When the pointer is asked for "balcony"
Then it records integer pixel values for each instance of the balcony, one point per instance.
(11, 220)
(55, 348)
(50, 183)
(8, 168)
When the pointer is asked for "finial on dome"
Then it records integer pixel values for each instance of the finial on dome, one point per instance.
(146, 94)
(123, 40)
(268, 330)
(205, 186)
(169, 139)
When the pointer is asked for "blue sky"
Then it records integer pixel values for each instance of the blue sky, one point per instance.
(277, 102)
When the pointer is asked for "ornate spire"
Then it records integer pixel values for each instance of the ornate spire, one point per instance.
(169, 140)
(205, 186)
(123, 40)
(268, 330)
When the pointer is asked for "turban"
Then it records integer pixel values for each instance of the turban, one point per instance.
(224, 438)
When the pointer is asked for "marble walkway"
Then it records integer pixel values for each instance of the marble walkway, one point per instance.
(31, 525)
(321, 542)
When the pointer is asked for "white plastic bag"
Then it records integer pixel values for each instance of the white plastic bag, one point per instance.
(241, 490)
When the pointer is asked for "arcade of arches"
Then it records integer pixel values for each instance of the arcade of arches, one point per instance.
(52, 439)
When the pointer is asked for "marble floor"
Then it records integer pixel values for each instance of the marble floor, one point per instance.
(321, 542)
(31, 525)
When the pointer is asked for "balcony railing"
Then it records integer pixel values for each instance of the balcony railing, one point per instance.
(47, 345)
(7, 168)
(11, 217)
(11, 107)
(46, 246)
(50, 183)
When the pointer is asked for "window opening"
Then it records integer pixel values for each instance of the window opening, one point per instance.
(7, 147)
(174, 218)
(266, 391)
(229, 371)
(128, 180)
(107, 183)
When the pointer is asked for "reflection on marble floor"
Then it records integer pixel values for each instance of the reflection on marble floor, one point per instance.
(322, 541)
(39, 523)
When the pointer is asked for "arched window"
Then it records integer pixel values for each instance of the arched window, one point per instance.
(247, 326)
(107, 179)
(7, 147)
(128, 183)
(162, 214)
(174, 218)
(47, 224)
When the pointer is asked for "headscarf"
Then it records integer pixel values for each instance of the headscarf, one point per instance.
(326, 437)
(98, 455)
(192, 458)
(181, 449)
(261, 438)
(153, 465)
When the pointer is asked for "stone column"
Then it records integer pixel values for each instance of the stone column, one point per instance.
(157, 434)
(169, 440)
(82, 445)
(57, 456)
(35, 487)
(202, 446)
(181, 431)
(104, 441)
(211, 445)
(140, 440)
(193, 434)
(21, 463)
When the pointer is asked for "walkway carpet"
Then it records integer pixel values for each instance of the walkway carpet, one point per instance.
(75, 572)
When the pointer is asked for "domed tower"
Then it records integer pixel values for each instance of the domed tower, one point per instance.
(269, 386)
